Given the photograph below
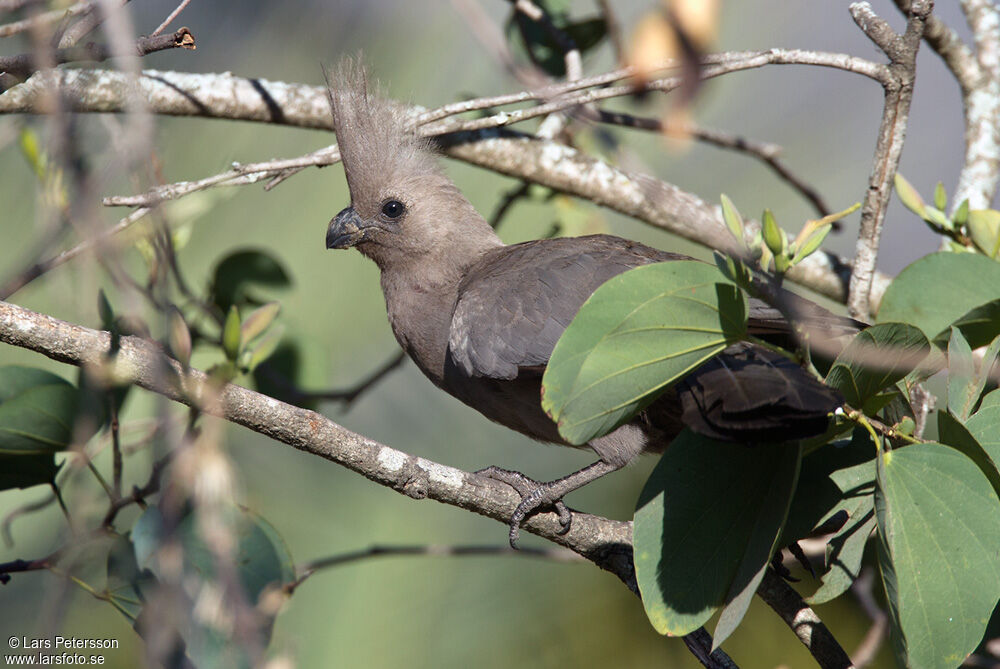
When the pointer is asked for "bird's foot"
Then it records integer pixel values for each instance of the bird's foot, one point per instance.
(534, 496)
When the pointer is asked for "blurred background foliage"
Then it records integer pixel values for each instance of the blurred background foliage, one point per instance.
(431, 611)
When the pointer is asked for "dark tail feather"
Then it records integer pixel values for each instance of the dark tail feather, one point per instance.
(749, 393)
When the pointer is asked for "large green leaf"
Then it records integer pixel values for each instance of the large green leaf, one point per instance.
(984, 425)
(833, 476)
(939, 538)
(637, 334)
(706, 524)
(836, 481)
(875, 359)
(964, 384)
(953, 433)
(984, 229)
(37, 409)
(939, 288)
(979, 325)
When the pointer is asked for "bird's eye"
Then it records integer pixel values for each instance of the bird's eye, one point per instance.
(393, 209)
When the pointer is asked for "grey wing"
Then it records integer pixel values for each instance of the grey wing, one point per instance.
(514, 304)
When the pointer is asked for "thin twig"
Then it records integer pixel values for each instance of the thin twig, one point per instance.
(348, 396)
(507, 201)
(87, 23)
(139, 495)
(764, 151)
(37, 269)
(173, 15)
(116, 446)
(53, 16)
(547, 163)
(430, 550)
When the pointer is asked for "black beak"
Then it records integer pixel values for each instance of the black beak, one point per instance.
(345, 230)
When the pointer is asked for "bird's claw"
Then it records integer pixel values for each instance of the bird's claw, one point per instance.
(534, 495)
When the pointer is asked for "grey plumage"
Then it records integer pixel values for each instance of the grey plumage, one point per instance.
(480, 319)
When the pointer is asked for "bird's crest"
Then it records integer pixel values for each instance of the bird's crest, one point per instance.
(376, 144)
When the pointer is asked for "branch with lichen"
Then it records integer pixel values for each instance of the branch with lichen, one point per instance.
(524, 157)
(898, 86)
(605, 542)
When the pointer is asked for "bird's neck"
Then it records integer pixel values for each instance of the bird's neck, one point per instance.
(420, 297)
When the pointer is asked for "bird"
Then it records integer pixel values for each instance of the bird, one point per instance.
(480, 318)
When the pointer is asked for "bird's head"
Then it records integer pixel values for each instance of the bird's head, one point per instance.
(403, 207)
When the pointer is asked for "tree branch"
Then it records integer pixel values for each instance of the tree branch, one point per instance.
(607, 543)
(25, 64)
(902, 51)
(540, 161)
(804, 622)
(978, 77)
(54, 16)
(140, 362)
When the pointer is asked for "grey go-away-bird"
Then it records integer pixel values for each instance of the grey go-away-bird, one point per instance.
(480, 318)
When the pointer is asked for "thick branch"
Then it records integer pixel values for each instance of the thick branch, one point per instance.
(605, 542)
(540, 161)
(804, 622)
(902, 50)
(978, 76)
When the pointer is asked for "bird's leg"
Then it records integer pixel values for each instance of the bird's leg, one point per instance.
(535, 495)
(525, 486)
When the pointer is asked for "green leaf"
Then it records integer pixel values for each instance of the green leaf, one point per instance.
(961, 216)
(811, 243)
(940, 196)
(259, 320)
(37, 410)
(909, 196)
(232, 335)
(238, 273)
(939, 537)
(845, 551)
(984, 425)
(979, 325)
(937, 219)
(837, 480)
(772, 233)
(528, 37)
(24, 471)
(830, 474)
(32, 152)
(953, 433)
(587, 33)
(732, 218)
(875, 359)
(104, 310)
(984, 229)
(127, 584)
(706, 524)
(934, 291)
(990, 401)
(180, 338)
(962, 382)
(264, 349)
(637, 334)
